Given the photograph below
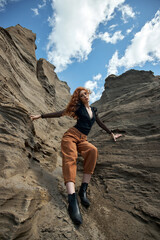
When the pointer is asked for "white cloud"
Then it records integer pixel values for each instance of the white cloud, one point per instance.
(144, 47)
(3, 3)
(43, 4)
(129, 30)
(97, 77)
(74, 28)
(96, 91)
(95, 95)
(35, 10)
(95, 87)
(113, 64)
(127, 12)
(113, 26)
(111, 39)
(90, 85)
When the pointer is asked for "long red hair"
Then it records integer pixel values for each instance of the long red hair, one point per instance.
(74, 101)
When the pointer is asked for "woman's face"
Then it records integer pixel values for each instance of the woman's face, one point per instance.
(84, 96)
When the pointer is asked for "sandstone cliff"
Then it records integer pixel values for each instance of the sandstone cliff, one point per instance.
(29, 152)
(128, 170)
(125, 188)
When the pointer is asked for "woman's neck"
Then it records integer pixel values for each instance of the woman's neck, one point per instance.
(86, 105)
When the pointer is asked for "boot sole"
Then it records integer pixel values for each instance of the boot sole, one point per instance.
(85, 205)
(75, 221)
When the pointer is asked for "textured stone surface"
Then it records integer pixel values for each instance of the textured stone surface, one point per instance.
(124, 190)
(29, 152)
(129, 170)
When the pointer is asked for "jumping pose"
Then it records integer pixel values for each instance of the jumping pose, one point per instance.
(75, 140)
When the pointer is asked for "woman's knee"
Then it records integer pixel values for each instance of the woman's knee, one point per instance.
(94, 150)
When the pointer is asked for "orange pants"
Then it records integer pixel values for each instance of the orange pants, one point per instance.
(74, 141)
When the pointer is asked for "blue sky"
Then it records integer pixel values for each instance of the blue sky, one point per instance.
(87, 40)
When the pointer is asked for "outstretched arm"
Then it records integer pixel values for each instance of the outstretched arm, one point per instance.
(103, 126)
(48, 115)
(53, 115)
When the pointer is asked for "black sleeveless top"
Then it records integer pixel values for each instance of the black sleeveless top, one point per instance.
(84, 122)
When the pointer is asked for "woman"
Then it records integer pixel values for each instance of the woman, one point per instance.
(75, 140)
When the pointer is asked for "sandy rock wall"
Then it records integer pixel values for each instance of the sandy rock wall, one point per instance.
(28, 150)
(128, 170)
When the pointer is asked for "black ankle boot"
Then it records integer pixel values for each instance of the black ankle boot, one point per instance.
(83, 195)
(73, 209)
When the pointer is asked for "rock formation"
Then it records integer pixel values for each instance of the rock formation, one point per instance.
(29, 152)
(128, 170)
(125, 188)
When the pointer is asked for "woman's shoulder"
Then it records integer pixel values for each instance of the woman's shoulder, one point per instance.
(78, 107)
(94, 109)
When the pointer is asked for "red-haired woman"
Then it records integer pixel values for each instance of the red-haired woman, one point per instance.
(75, 140)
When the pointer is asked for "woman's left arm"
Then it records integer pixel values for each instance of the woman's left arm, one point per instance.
(103, 126)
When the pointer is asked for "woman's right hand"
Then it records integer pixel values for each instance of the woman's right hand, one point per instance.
(35, 117)
(115, 136)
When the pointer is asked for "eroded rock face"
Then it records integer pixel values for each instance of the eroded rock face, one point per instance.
(29, 152)
(128, 170)
(124, 190)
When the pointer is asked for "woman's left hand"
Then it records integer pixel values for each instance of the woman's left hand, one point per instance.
(115, 136)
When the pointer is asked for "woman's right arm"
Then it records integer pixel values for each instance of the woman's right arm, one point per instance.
(48, 115)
